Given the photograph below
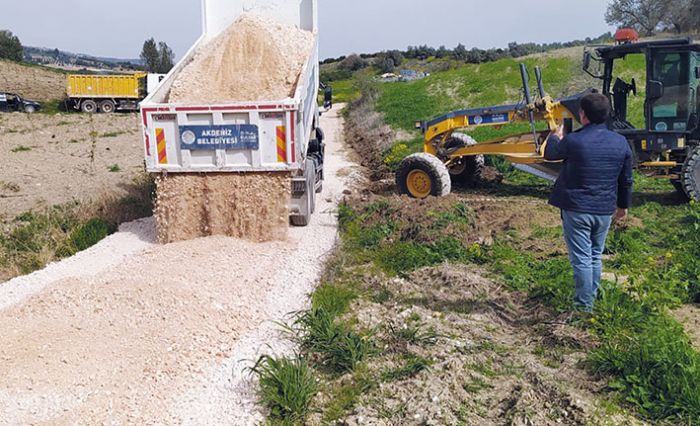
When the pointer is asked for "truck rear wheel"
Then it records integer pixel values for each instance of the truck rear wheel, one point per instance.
(308, 204)
(107, 107)
(690, 176)
(421, 175)
(89, 106)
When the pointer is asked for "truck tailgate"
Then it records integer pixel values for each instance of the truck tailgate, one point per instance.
(222, 138)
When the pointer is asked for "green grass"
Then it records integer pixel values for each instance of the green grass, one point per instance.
(287, 386)
(21, 148)
(470, 86)
(339, 347)
(655, 366)
(344, 91)
(53, 107)
(114, 168)
(36, 238)
(411, 366)
(377, 232)
(85, 235)
(111, 134)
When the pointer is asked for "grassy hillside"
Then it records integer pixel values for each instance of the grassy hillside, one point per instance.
(32, 81)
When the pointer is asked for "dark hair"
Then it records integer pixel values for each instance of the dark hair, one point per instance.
(597, 107)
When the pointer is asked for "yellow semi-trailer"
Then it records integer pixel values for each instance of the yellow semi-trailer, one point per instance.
(109, 93)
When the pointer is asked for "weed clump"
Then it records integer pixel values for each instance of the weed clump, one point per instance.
(287, 386)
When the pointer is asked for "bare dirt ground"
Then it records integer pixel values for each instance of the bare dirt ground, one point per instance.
(159, 338)
(32, 82)
(54, 159)
(689, 316)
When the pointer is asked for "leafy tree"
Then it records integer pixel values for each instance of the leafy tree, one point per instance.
(166, 58)
(460, 52)
(157, 58)
(643, 15)
(352, 63)
(442, 52)
(682, 15)
(10, 46)
(387, 61)
(150, 55)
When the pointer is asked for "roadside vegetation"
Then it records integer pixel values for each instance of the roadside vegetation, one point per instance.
(35, 238)
(454, 309)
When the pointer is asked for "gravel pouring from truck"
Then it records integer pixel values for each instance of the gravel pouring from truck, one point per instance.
(275, 135)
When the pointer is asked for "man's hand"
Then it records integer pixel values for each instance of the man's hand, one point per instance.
(620, 214)
(559, 132)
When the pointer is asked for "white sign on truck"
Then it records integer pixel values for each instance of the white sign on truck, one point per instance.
(275, 135)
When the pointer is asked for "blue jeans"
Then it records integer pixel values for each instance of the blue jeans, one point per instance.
(585, 237)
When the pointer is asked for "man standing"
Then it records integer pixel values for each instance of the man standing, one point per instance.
(594, 186)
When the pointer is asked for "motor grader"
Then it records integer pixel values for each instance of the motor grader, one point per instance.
(668, 146)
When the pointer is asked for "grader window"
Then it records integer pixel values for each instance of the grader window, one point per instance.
(671, 110)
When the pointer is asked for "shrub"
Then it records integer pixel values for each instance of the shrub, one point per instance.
(339, 347)
(352, 63)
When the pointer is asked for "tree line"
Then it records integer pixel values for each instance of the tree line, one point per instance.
(387, 61)
(156, 57)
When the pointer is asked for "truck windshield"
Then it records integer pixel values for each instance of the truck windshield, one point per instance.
(671, 111)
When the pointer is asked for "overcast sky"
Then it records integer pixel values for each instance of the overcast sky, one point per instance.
(118, 29)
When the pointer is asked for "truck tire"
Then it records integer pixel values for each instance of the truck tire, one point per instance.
(107, 107)
(309, 198)
(89, 106)
(29, 109)
(421, 175)
(690, 175)
(465, 171)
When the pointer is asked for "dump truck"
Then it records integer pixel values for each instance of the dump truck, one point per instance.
(108, 93)
(274, 135)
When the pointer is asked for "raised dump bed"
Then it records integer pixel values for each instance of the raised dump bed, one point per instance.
(222, 120)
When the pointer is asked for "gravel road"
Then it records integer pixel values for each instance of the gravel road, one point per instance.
(131, 332)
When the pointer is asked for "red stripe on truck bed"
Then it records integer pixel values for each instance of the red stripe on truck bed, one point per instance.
(294, 150)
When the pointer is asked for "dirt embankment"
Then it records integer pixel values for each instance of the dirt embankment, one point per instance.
(31, 82)
(60, 158)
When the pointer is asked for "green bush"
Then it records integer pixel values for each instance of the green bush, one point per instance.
(85, 236)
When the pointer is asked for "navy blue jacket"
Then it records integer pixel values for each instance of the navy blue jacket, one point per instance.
(597, 173)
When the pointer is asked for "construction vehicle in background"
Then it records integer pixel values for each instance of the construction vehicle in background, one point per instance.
(108, 93)
(668, 147)
(273, 135)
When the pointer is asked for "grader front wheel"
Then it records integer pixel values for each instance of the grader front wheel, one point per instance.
(421, 175)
